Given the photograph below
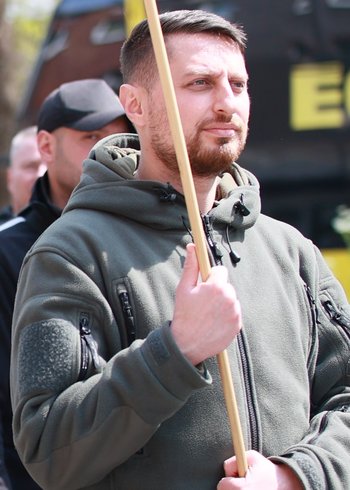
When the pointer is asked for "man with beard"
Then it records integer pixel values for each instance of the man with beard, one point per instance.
(115, 382)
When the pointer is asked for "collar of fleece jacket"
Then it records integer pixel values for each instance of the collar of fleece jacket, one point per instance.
(107, 185)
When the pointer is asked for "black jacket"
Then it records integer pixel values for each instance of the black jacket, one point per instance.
(16, 237)
(6, 213)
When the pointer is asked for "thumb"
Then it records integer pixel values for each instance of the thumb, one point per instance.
(230, 467)
(189, 277)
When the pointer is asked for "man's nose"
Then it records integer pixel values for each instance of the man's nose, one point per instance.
(225, 99)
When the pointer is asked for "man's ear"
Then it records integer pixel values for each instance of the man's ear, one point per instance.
(132, 99)
(46, 145)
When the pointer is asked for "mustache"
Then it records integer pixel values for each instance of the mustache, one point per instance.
(233, 120)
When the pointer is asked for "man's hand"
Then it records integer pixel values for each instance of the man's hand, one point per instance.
(207, 315)
(261, 475)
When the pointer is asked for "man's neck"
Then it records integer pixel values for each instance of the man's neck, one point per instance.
(58, 198)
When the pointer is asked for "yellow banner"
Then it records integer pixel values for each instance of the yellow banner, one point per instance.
(319, 96)
(134, 12)
(339, 261)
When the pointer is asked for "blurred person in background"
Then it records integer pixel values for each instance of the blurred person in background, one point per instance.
(71, 120)
(25, 166)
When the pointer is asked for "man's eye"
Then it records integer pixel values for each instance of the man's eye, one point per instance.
(200, 82)
(239, 85)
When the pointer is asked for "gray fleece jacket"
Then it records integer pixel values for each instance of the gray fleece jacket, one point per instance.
(102, 397)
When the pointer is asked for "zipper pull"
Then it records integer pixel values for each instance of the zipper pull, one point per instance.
(336, 316)
(128, 316)
(312, 303)
(87, 338)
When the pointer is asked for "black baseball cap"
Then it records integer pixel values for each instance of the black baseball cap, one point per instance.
(86, 105)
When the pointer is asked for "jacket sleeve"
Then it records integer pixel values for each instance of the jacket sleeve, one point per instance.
(59, 421)
(321, 459)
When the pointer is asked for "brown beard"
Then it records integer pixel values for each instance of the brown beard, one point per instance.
(204, 163)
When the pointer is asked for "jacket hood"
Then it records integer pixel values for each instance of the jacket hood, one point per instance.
(108, 185)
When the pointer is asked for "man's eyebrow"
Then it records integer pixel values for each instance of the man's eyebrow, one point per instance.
(239, 76)
(205, 71)
(210, 72)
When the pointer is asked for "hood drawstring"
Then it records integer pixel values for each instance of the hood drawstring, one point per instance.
(166, 195)
(240, 207)
(235, 258)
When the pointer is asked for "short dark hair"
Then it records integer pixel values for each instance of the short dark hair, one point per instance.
(137, 58)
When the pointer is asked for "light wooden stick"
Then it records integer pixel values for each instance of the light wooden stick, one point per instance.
(194, 215)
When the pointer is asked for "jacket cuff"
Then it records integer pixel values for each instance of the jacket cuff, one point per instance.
(302, 466)
(170, 366)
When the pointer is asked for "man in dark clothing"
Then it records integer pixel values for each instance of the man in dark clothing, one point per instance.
(6, 213)
(16, 239)
(71, 120)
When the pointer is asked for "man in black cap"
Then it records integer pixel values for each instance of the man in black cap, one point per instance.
(71, 120)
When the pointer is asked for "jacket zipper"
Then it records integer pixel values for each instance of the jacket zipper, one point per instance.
(314, 316)
(128, 316)
(336, 317)
(253, 423)
(312, 304)
(87, 345)
(324, 420)
(130, 326)
(339, 319)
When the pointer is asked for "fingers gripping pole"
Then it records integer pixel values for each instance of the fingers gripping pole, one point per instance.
(194, 215)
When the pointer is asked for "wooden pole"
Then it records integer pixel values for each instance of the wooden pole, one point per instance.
(194, 215)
